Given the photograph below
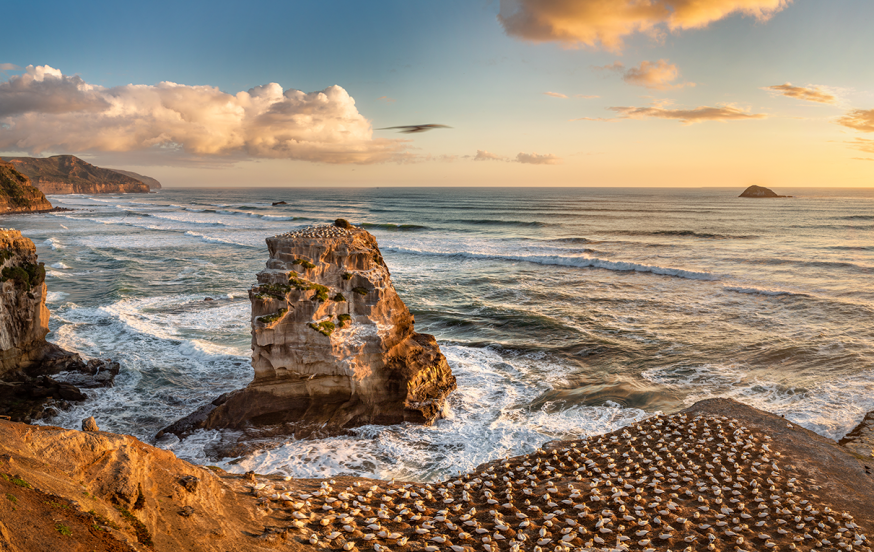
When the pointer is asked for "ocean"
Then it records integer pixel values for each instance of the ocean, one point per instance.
(562, 312)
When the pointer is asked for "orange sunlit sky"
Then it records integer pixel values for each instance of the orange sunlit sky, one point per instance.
(535, 92)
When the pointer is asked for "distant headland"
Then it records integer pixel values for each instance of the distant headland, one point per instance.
(67, 174)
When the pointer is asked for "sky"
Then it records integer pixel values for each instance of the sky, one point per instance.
(689, 93)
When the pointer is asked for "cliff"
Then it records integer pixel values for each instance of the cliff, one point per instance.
(718, 476)
(16, 193)
(27, 360)
(147, 180)
(759, 192)
(333, 343)
(66, 174)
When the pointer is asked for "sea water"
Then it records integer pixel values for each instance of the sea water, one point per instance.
(562, 312)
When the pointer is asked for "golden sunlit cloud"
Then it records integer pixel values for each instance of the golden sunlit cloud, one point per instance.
(537, 159)
(604, 23)
(650, 74)
(43, 109)
(813, 94)
(527, 158)
(858, 119)
(483, 155)
(556, 95)
(386, 99)
(686, 116)
(862, 144)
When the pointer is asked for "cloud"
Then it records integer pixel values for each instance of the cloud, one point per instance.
(386, 99)
(858, 119)
(483, 155)
(862, 144)
(537, 159)
(650, 74)
(685, 116)
(44, 109)
(9, 67)
(813, 94)
(556, 95)
(605, 23)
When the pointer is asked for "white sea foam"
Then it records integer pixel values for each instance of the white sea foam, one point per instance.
(489, 419)
(60, 266)
(578, 262)
(55, 296)
(759, 291)
(54, 244)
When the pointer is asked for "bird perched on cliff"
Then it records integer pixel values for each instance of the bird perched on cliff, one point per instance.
(413, 129)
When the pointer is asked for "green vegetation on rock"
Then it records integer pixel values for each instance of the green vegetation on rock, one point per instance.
(304, 263)
(271, 318)
(360, 290)
(343, 319)
(347, 275)
(338, 298)
(28, 275)
(326, 328)
(321, 292)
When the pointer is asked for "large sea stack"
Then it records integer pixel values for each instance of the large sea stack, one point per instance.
(333, 344)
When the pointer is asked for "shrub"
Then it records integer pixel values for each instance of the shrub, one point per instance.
(63, 529)
(342, 223)
(338, 298)
(347, 275)
(321, 292)
(271, 318)
(360, 290)
(28, 275)
(275, 290)
(325, 328)
(304, 263)
(343, 319)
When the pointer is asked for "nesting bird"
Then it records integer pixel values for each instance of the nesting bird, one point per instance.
(676, 482)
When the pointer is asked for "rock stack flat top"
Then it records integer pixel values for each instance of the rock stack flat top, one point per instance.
(333, 344)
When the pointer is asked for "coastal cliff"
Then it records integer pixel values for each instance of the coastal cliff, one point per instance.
(16, 193)
(147, 180)
(718, 476)
(333, 343)
(27, 360)
(66, 174)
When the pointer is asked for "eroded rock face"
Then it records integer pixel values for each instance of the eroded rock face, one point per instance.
(16, 193)
(27, 360)
(332, 342)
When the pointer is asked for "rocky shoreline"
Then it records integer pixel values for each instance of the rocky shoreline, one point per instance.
(718, 476)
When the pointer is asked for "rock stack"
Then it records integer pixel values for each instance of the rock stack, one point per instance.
(333, 343)
(27, 360)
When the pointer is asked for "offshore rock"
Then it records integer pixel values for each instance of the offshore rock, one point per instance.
(67, 174)
(760, 192)
(16, 193)
(27, 360)
(333, 343)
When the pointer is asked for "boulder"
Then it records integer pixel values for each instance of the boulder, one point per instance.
(90, 424)
(333, 343)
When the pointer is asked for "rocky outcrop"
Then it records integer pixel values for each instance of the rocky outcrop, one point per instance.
(66, 174)
(16, 193)
(718, 476)
(333, 343)
(27, 360)
(147, 180)
(759, 192)
(861, 439)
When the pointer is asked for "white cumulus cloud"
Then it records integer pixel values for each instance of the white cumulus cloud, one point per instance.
(44, 109)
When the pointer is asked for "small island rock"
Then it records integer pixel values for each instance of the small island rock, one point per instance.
(759, 192)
